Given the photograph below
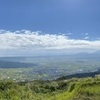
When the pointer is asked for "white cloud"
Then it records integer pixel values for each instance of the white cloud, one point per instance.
(87, 37)
(69, 33)
(86, 34)
(28, 40)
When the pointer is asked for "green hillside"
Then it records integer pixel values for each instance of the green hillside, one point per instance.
(71, 89)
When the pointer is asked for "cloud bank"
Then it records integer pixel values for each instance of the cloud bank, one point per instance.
(28, 40)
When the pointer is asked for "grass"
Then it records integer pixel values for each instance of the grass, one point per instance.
(72, 89)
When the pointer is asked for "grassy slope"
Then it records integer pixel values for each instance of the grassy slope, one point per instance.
(72, 89)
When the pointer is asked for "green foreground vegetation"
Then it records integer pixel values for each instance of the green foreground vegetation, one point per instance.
(72, 89)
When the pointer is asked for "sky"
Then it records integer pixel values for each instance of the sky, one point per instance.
(30, 26)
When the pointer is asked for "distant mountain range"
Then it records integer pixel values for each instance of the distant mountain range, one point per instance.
(79, 56)
(87, 56)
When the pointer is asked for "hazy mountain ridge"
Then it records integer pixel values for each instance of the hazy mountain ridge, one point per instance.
(82, 55)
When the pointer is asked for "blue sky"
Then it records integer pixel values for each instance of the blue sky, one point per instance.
(77, 19)
(52, 16)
